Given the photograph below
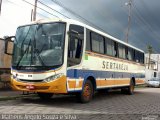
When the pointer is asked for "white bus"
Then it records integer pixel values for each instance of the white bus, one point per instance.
(65, 56)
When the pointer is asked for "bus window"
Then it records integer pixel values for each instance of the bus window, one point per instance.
(97, 43)
(137, 56)
(75, 45)
(142, 58)
(130, 54)
(121, 51)
(109, 47)
(88, 42)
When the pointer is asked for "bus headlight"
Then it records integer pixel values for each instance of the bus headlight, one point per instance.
(53, 77)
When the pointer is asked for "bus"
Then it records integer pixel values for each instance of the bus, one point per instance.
(65, 56)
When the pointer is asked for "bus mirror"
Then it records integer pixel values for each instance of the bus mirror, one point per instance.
(72, 32)
(9, 45)
(75, 34)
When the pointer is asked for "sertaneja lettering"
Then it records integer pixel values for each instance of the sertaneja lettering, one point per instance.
(114, 66)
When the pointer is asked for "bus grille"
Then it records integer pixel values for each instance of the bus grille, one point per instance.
(24, 80)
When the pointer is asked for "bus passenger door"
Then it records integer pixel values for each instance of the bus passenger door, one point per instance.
(75, 51)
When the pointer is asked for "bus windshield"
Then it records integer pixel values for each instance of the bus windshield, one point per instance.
(39, 46)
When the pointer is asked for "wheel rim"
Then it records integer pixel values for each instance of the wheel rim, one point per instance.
(132, 88)
(87, 92)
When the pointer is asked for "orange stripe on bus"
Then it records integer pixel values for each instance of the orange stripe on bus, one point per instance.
(140, 81)
(72, 84)
(113, 82)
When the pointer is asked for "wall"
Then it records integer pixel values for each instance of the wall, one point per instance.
(5, 64)
(5, 60)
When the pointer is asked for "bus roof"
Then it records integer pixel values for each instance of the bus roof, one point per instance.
(71, 21)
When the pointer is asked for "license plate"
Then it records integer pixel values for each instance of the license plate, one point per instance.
(30, 87)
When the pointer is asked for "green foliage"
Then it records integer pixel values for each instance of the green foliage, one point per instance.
(150, 49)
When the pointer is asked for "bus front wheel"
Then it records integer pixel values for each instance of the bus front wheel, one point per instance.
(45, 96)
(87, 93)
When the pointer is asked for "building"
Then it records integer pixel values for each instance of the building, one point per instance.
(5, 64)
(5, 60)
(152, 67)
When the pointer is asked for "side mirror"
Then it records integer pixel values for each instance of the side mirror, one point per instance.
(75, 34)
(9, 45)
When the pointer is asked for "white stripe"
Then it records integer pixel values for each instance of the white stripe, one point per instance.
(72, 89)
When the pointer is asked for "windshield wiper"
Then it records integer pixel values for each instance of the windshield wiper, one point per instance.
(26, 51)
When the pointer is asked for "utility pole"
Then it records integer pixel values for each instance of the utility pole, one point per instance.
(35, 10)
(129, 4)
(31, 15)
(0, 6)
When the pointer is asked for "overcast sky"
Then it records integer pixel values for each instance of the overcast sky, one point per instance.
(110, 16)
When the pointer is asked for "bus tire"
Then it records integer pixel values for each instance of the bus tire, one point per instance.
(45, 96)
(130, 89)
(86, 94)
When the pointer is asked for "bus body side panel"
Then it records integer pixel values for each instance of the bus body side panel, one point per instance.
(113, 72)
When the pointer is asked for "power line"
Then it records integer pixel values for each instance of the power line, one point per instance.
(148, 11)
(105, 17)
(139, 15)
(41, 9)
(142, 20)
(22, 6)
(139, 22)
(76, 15)
(52, 9)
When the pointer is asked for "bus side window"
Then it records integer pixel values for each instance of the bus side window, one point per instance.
(88, 42)
(109, 47)
(75, 45)
(130, 54)
(97, 42)
(115, 49)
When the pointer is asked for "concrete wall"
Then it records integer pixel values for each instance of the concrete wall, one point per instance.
(5, 64)
(5, 60)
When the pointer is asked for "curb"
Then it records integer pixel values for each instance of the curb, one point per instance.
(16, 97)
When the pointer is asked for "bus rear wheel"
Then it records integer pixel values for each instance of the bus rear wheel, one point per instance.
(87, 93)
(45, 96)
(130, 89)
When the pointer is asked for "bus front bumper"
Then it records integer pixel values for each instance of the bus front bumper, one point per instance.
(55, 86)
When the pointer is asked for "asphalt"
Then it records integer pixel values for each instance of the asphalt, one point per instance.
(11, 95)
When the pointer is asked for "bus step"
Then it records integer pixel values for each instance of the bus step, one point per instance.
(27, 93)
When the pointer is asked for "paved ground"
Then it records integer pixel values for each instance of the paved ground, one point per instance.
(143, 105)
(6, 93)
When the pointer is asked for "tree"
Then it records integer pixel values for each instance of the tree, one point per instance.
(150, 51)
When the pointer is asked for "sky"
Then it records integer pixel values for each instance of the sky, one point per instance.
(110, 16)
